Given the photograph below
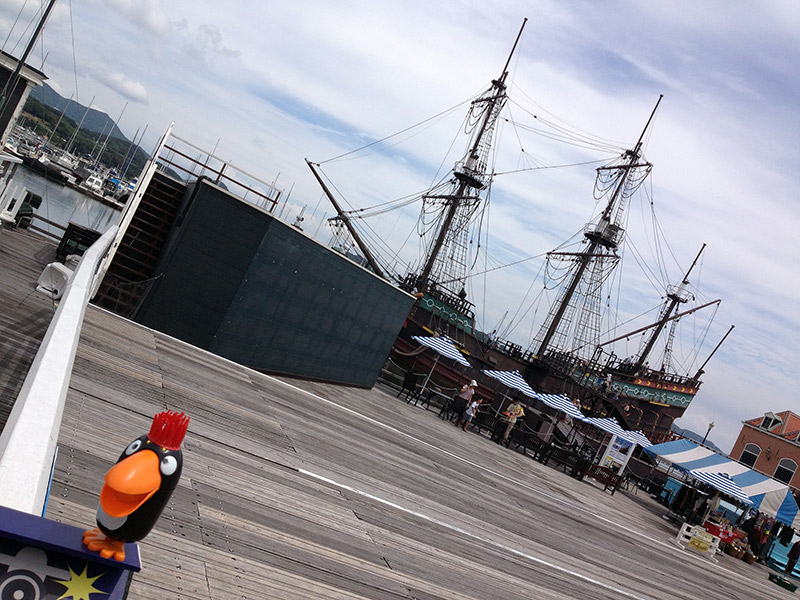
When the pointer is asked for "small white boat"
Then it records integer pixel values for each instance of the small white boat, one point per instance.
(93, 183)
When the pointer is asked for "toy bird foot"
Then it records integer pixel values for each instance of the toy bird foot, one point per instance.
(97, 541)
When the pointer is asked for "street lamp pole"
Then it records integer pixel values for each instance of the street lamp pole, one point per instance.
(710, 427)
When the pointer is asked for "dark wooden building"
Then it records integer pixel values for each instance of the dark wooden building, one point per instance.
(202, 265)
(14, 98)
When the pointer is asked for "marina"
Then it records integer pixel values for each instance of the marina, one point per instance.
(295, 489)
(62, 205)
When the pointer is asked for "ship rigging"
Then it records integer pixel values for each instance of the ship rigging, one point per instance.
(568, 353)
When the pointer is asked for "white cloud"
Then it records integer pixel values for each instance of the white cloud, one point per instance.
(130, 90)
(147, 14)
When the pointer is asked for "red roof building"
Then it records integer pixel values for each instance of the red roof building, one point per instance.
(771, 445)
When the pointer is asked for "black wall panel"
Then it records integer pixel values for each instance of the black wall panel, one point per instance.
(246, 286)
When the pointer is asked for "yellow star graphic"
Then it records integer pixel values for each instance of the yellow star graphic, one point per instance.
(80, 585)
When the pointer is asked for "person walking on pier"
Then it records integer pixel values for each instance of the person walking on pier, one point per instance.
(513, 411)
(469, 413)
(456, 406)
(791, 558)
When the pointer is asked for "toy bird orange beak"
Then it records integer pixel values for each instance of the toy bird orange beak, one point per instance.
(130, 483)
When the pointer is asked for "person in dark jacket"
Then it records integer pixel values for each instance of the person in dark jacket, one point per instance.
(792, 557)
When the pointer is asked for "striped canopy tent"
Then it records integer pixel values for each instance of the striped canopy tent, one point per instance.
(723, 483)
(443, 347)
(769, 496)
(560, 402)
(512, 379)
(612, 426)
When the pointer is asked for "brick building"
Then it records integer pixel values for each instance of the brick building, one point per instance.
(771, 445)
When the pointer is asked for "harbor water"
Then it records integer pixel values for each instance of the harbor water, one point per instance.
(64, 205)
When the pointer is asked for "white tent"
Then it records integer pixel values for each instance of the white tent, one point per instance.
(769, 496)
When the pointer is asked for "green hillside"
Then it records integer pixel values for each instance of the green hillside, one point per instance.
(117, 153)
(95, 120)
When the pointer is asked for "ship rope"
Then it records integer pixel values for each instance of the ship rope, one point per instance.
(416, 129)
(564, 133)
(430, 212)
(550, 167)
(382, 249)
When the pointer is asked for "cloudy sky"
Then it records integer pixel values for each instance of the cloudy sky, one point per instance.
(272, 83)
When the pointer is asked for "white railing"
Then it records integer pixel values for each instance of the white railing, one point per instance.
(28, 442)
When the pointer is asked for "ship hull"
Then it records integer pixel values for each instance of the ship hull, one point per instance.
(649, 402)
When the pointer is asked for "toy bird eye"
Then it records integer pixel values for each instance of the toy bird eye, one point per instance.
(169, 464)
(133, 447)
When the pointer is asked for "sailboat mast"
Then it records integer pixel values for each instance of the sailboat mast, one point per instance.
(356, 238)
(108, 135)
(605, 234)
(469, 173)
(78, 128)
(678, 296)
(52, 134)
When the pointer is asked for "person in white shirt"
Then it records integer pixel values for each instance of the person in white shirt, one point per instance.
(469, 413)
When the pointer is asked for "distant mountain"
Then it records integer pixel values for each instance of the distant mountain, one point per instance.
(95, 120)
(691, 435)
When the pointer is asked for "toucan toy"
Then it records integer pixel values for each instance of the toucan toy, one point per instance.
(138, 486)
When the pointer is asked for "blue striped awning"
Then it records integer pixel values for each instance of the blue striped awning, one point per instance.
(443, 346)
(723, 483)
(562, 403)
(640, 438)
(769, 496)
(613, 427)
(512, 379)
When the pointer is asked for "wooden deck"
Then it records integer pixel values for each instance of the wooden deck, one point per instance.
(298, 490)
(24, 313)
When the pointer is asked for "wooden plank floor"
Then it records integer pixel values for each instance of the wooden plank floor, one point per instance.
(24, 313)
(298, 490)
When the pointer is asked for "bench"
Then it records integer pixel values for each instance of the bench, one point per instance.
(485, 421)
(605, 476)
(453, 409)
(538, 448)
(433, 397)
(568, 460)
(409, 386)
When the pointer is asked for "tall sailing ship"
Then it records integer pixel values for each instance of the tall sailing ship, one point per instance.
(568, 354)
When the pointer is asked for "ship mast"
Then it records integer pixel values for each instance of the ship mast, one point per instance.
(714, 351)
(469, 178)
(356, 238)
(603, 238)
(676, 295)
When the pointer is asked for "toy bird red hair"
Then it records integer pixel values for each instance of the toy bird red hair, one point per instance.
(138, 486)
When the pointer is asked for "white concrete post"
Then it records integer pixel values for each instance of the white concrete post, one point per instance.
(5, 198)
(20, 199)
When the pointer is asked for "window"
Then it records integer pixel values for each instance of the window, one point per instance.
(785, 470)
(770, 421)
(750, 454)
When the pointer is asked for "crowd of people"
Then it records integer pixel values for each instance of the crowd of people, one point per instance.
(690, 503)
(696, 506)
(473, 404)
